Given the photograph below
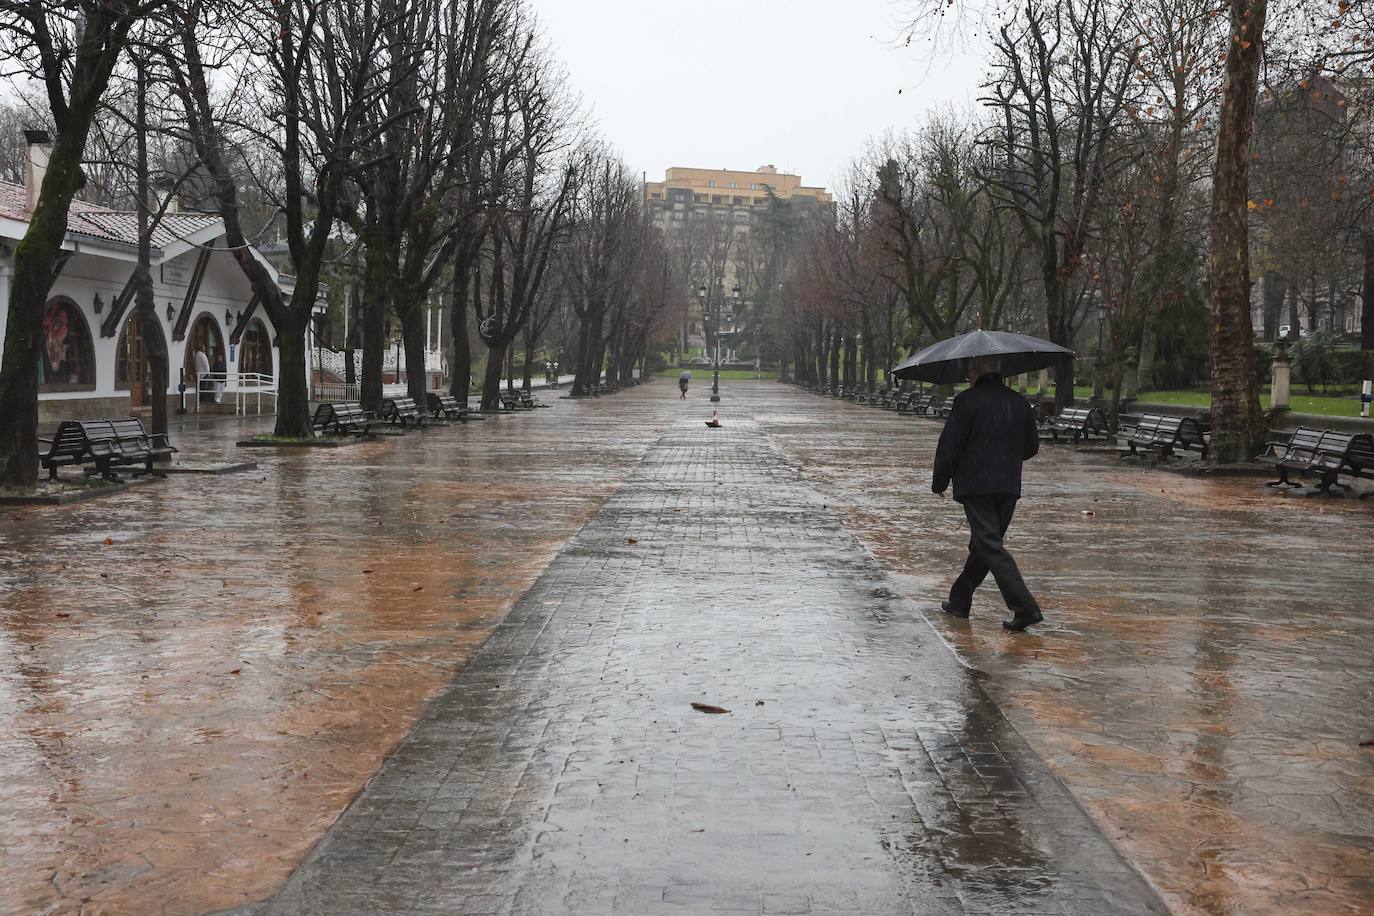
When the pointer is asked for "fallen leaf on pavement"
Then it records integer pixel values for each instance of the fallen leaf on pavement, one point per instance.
(631, 541)
(1368, 743)
(108, 541)
(707, 707)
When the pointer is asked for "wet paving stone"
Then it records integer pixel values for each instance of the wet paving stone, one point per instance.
(860, 767)
(1205, 675)
(186, 709)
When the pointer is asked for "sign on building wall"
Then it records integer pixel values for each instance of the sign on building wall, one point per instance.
(178, 270)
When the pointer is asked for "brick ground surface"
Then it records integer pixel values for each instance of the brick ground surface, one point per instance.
(860, 769)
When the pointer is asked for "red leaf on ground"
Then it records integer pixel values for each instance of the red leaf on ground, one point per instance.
(1368, 743)
(707, 707)
(108, 541)
(631, 541)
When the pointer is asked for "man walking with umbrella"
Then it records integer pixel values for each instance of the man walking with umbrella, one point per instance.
(990, 432)
(683, 378)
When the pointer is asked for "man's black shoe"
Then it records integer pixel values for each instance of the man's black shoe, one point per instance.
(1021, 621)
(953, 611)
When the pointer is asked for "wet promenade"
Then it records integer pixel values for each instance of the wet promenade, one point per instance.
(186, 712)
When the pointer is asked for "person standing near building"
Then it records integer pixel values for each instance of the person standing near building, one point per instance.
(991, 430)
(219, 370)
(202, 367)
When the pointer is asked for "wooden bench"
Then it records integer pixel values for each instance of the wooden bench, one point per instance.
(938, 408)
(1327, 453)
(136, 445)
(79, 442)
(509, 400)
(1165, 434)
(529, 401)
(448, 407)
(403, 412)
(1080, 422)
(344, 418)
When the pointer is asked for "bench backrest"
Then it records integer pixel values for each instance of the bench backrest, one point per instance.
(1168, 427)
(1189, 431)
(1304, 443)
(1073, 415)
(129, 428)
(70, 439)
(1361, 452)
(348, 411)
(98, 430)
(405, 405)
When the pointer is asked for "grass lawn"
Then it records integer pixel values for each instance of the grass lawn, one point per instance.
(1323, 405)
(704, 374)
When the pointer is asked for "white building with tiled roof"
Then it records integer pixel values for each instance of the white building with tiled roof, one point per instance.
(92, 363)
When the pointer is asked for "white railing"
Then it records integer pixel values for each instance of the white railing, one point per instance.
(247, 388)
(333, 361)
(253, 385)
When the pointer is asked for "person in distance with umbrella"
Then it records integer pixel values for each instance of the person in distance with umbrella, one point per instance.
(991, 430)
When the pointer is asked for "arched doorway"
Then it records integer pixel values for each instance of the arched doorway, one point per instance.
(255, 350)
(205, 335)
(68, 361)
(131, 363)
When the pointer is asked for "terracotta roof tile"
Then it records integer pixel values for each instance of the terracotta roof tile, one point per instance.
(108, 225)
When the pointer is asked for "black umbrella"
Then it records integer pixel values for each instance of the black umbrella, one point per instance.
(946, 362)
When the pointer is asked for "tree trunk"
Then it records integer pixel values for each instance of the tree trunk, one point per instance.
(417, 379)
(1271, 293)
(491, 378)
(34, 260)
(1237, 424)
(293, 395)
(105, 29)
(378, 275)
(1367, 293)
(460, 370)
(528, 375)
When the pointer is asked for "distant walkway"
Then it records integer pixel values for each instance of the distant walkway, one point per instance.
(860, 768)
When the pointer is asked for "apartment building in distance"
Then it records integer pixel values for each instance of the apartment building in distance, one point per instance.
(690, 200)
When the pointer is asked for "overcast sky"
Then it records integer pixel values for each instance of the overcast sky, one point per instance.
(740, 83)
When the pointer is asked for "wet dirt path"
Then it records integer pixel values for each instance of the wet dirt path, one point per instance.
(185, 709)
(1207, 672)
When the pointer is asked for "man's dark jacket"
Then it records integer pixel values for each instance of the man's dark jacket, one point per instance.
(990, 431)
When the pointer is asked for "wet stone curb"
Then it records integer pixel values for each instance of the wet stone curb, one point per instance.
(860, 769)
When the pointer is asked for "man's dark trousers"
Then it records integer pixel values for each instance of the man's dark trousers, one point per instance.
(988, 517)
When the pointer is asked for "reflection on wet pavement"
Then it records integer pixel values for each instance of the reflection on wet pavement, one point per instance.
(184, 711)
(1206, 676)
(855, 766)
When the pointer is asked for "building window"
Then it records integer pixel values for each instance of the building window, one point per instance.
(741, 217)
(68, 362)
(754, 186)
(740, 201)
(717, 198)
(255, 353)
(654, 195)
(677, 216)
(699, 198)
(711, 183)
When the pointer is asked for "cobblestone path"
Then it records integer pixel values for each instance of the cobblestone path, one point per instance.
(860, 768)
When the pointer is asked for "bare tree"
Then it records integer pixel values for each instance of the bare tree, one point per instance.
(314, 66)
(72, 47)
